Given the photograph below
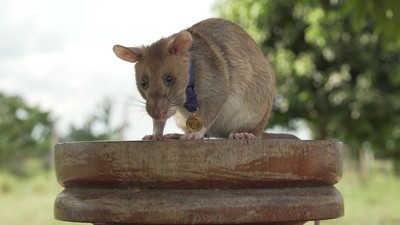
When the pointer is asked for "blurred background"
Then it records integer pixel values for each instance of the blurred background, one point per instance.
(338, 77)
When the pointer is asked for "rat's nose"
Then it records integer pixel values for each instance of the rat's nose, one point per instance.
(158, 109)
(159, 113)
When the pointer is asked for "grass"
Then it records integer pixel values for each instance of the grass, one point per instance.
(28, 200)
(372, 201)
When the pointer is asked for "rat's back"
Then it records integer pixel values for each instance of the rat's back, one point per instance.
(224, 55)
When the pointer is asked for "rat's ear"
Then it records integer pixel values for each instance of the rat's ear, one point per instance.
(181, 43)
(128, 54)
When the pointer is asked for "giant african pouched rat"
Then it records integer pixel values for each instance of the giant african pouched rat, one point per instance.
(213, 77)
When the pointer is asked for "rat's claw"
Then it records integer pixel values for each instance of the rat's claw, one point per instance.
(147, 137)
(152, 137)
(172, 136)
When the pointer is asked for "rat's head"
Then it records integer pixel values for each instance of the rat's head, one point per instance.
(162, 72)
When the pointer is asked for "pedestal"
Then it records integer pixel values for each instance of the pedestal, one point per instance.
(199, 182)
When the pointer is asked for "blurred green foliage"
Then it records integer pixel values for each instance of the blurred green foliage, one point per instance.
(337, 65)
(383, 14)
(25, 131)
(96, 127)
(31, 200)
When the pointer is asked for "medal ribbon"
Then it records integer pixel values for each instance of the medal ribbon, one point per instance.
(191, 103)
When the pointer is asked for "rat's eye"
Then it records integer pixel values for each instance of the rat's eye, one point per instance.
(169, 79)
(144, 82)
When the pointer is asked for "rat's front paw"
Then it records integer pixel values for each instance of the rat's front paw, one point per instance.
(195, 135)
(152, 137)
(192, 136)
(172, 136)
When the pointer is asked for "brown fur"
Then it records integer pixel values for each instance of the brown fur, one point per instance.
(234, 82)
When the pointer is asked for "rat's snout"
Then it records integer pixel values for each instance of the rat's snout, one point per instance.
(159, 109)
(159, 113)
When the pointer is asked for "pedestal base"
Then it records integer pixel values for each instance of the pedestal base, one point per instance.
(241, 206)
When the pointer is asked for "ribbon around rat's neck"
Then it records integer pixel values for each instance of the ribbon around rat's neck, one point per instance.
(191, 103)
(194, 122)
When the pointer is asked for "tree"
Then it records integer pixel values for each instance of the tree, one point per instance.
(336, 70)
(97, 126)
(25, 131)
(384, 14)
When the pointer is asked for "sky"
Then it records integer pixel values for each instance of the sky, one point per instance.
(57, 55)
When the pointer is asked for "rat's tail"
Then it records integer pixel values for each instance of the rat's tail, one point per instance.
(278, 136)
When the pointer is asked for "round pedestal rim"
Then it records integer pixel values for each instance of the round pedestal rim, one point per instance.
(199, 164)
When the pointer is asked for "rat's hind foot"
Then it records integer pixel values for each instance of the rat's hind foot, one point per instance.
(237, 135)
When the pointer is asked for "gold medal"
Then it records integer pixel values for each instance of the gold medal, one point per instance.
(194, 122)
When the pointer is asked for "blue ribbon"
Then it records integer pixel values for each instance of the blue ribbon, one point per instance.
(191, 103)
